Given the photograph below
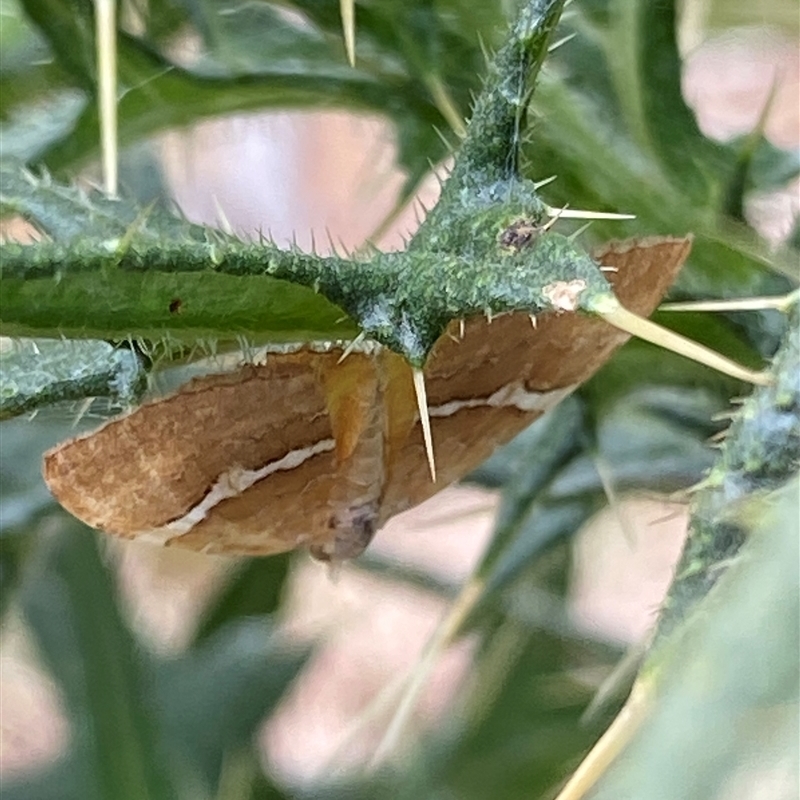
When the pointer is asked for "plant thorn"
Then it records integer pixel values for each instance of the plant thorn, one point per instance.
(424, 418)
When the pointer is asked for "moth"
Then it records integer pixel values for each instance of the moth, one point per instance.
(310, 449)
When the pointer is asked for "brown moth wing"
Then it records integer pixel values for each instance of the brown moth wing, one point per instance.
(153, 466)
(281, 512)
(328, 502)
(469, 375)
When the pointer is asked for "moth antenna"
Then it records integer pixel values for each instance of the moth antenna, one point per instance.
(461, 328)
(562, 41)
(575, 213)
(352, 345)
(347, 9)
(544, 182)
(781, 303)
(612, 312)
(106, 31)
(424, 418)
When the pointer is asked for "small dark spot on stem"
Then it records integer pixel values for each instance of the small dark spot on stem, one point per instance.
(519, 234)
(175, 305)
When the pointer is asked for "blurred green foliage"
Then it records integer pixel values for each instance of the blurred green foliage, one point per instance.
(608, 119)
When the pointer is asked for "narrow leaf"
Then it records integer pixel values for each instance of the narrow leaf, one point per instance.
(70, 604)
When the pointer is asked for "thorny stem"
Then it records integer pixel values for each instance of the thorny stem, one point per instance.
(760, 454)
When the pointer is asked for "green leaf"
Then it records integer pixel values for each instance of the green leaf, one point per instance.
(184, 307)
(759, 166)
(654, 440)
(68, 213)
(772, 167)
(426, 69)
(525, 523)
(724, 14)
(69, 30)
(24, 496)
(671, 124)
(109, 303)
(15, 547)
(212, 699)
(518, 731)
(259, 38)
(544, 523)
(647, 437)
(254, 589)
(244, 778)
(36, 373)
(531, 735)
(639, 366)
(20, 44)
(163, 95)
(62, 781)
(69, 603)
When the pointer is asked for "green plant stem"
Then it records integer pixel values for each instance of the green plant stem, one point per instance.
(457, 266)
(760, 453)
(404, 301)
